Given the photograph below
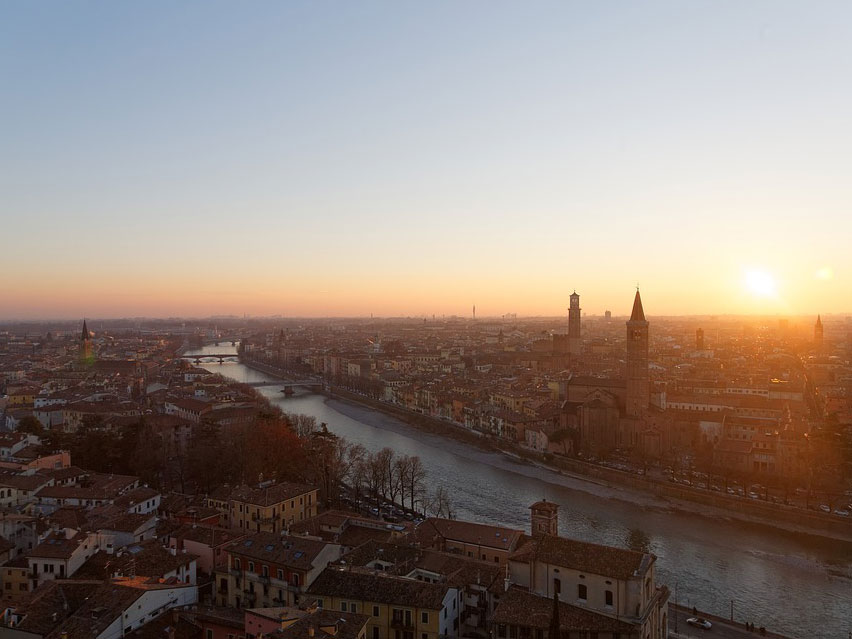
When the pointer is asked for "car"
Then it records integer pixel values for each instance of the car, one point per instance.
(699, 622)
(824, 508)
(842, 512)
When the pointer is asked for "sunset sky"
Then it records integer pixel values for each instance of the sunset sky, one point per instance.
(316, 159)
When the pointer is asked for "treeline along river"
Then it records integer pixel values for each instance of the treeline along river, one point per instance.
(795, 584)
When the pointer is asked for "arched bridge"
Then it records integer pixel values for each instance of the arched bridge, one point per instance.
(219, 356)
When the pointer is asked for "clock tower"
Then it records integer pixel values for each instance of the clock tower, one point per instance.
(638, 386)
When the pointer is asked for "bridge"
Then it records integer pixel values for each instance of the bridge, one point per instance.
(288, 386)
(207, 341)
(315, 385)
(201, 356)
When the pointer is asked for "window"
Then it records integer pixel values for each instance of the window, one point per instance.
(319, 603)
(342, 606)
(236, 563)
(375, 611)
(375, 632)
(424, 617)
(608, 597)
(280, 574)
(209, 633)
(581, 592)
(251, 566)
(295, 579)
(557, 585)
(265, 571)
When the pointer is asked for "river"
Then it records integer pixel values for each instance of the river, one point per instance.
(796, 584)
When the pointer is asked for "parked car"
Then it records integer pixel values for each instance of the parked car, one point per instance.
(842, 512)
(699, 622)
(824, 508)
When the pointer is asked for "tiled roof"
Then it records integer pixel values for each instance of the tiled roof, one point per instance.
(378, 587)
(519, 607)
(283, 550)
(583, 556)
(274, 494)
(471, 533)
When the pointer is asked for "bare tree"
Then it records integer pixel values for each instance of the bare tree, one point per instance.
(412, 476)
(303, 425)
(440, 504)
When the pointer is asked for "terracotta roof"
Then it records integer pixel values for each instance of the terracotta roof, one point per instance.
(607, 561)
(378, 587)
(147, 559)
(270, 495)
(519, 607)
(58, 546)
(284, 550)
(471, 533)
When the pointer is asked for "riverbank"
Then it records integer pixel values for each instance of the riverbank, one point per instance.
(623, 485)
(708, 559)
(674, 496)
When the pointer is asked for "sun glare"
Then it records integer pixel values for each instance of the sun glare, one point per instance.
(760, 283)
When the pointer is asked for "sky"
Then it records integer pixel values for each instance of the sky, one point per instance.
(349, 158)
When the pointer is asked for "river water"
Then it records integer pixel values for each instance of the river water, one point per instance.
(796, 584)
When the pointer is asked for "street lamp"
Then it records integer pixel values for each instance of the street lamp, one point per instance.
(676, 610)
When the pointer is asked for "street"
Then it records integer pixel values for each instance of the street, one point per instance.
(721, 629)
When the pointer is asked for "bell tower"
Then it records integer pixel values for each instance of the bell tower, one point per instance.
(544, 518)
(638, 386)
(575, 343)
(87, 356)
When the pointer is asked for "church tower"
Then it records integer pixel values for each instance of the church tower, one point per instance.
(575, 343)
(638, 386)
(818, 331)
(86, 354)
(544, 518)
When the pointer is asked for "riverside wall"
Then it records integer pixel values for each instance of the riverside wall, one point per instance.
(753, 510)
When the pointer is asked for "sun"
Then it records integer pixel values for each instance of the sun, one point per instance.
(760, 283)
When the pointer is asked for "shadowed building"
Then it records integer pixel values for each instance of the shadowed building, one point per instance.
(638, 389)
(87, 355)
(575, 343)
(818, 331)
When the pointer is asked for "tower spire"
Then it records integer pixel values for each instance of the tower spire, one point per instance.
(85, 334)
(638, 314)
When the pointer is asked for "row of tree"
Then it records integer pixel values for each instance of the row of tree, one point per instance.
(276, 446)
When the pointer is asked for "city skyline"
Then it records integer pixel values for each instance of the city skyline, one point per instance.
(162, 160)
